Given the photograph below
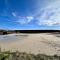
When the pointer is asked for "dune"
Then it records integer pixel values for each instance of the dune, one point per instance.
(43, 43)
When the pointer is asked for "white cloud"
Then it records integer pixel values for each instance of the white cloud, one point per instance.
(50, 15)
(21, 21)
(24, 20)
(29, 18)
(14, 14)
(48, 23)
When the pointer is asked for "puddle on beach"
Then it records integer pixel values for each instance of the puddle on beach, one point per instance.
(4, 38)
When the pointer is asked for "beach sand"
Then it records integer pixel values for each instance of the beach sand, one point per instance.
(43, 43)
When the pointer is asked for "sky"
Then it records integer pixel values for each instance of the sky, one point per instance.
(30, 14)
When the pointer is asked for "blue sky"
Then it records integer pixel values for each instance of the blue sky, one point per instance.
(30, 14)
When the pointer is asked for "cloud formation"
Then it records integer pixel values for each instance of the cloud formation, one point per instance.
(14, 14)
(23, 20)
(50, 15)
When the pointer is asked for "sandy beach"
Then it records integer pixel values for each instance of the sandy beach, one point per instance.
(43, 43)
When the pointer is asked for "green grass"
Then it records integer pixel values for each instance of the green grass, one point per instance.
(7, 55)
